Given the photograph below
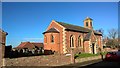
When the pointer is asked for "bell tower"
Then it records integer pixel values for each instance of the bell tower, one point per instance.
(88, 23)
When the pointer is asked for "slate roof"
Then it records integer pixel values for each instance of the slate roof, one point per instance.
(70, 27)
(51, 30)
(73, 27)
(87, 37)
(37, 44)
(88, 18)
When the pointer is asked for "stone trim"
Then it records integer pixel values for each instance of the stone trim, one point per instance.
(56, 23)
(82, 43)
(57, 29)
(89, 46)
(64, 42)
(95, 49)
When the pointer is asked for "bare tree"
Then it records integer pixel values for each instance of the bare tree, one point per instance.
(113, 33)
(113, 36)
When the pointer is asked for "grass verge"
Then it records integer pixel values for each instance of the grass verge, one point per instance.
(83, 55)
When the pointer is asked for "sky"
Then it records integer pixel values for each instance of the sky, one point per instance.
(26, 21)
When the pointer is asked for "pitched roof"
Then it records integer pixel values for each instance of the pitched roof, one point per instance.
(71, 27)
(29, 45)
(25, 45)
(51, 30)
(37, 44)
(87, 37)
(88, 18)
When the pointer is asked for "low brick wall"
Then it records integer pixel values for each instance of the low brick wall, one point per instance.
(109, 49)
(48, 60)
(87, 59)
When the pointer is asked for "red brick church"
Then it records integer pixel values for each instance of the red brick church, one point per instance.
(61, 37)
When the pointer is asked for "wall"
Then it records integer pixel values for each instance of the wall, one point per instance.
(2, 45)
(63, 40)
(52, 46)
(58, 38)
(86, 47)
(99, 42)
(77, 48)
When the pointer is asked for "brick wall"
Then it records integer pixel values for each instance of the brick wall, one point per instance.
(99, 42)
(58, 37)
(86, 46)
(76, 47)
(52, 45)
(2, 45)
(47, 60)
(62, 40)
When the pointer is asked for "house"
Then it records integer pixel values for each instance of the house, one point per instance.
(62, 37)
(26, 47)
(3, 35)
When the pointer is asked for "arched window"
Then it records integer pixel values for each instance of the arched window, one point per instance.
(45, 39)
(71, 41)
(52, 38)
(79, 41)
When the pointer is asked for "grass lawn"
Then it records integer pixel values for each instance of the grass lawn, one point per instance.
(83, 55)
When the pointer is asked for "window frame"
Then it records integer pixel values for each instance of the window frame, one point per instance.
(52, 39)
(72, 41)
(79, 42)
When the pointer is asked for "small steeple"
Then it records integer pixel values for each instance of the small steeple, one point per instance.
(88, 23)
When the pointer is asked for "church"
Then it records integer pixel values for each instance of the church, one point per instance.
(63, 37)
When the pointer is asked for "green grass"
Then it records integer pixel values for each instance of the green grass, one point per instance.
(104, 53)
(83, 55)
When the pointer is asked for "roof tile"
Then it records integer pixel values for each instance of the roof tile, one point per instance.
(51, 30)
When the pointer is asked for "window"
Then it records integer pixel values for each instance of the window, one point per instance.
(86, 23)
(71, 41)
(91, 23)
(45, 39)
(52, 39)
(79, 41)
